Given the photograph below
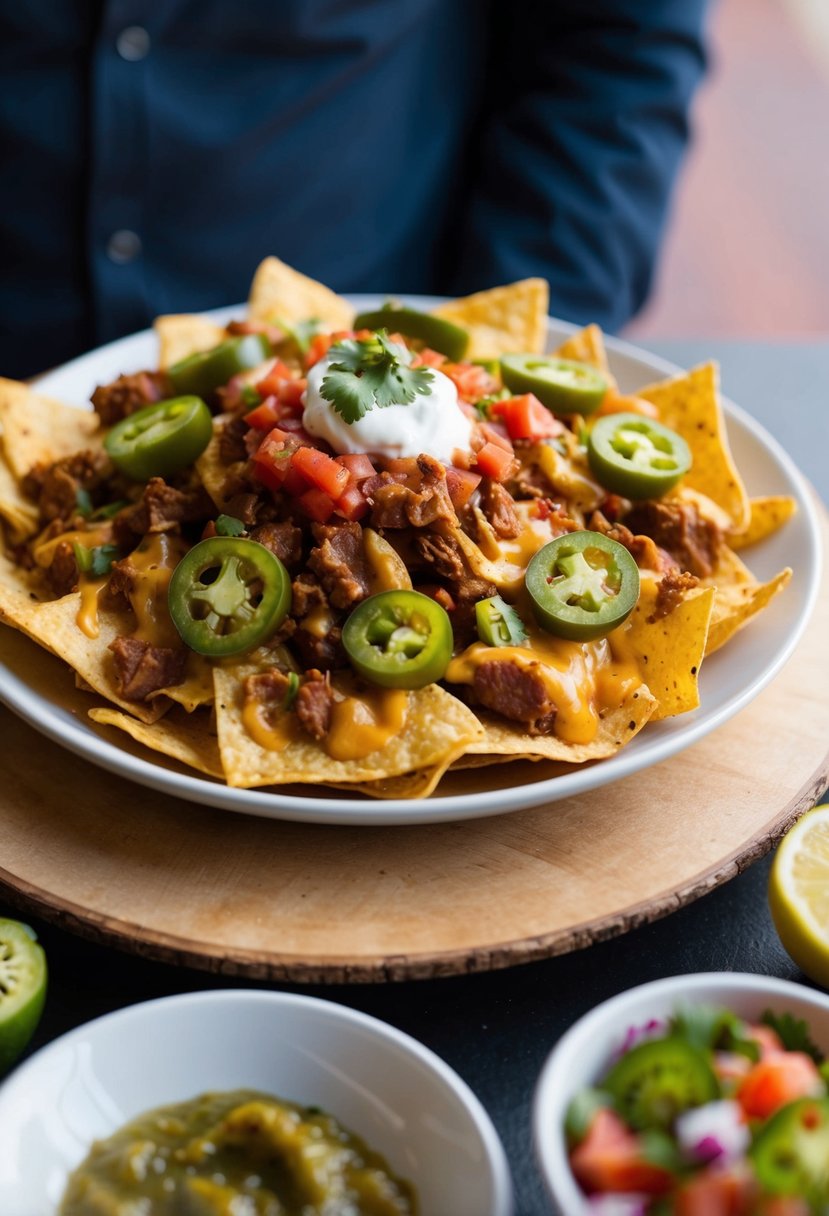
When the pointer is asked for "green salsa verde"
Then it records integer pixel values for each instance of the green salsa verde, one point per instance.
(235, 1154)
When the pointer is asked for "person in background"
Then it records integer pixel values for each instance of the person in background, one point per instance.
(152, 154)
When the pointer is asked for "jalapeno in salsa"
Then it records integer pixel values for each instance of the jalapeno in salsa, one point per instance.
(635, 456)
(160, 439)
(227, 595)
(399, 639)
(582, 585)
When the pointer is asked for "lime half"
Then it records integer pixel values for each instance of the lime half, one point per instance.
(799, 893)
(22, 989)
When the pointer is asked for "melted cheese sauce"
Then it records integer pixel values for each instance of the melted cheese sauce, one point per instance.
(155, 559)
(87, 618)
(271, 729)
(365, 722)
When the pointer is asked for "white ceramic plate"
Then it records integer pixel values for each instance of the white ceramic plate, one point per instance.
(586, 1051)
(34, 688)
(385, 1086)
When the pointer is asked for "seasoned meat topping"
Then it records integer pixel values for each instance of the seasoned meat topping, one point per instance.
(267, 687)
(644, 551)
(442, 554)
(339, 563)
(671, 591)
(678, 528)
(414, 499)
(161, 508)
(124, 396)
(307, 595)
(519, 693)
(314, 703)
(283, 539)
(498, 506)
(62, 573)
(232, 446)
(142, 668)
(55, 486)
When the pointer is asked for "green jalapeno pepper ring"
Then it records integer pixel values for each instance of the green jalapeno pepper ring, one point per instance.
(399, 639)
(635, 456)
(498, 623)
(227, 595)
(161, 438)
(565, 386)
(207, 370)
(657, 1080)
(791, 1153)
(440, 335)
(582, 585)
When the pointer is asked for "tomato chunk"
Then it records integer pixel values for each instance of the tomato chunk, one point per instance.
(610, 1159)
(321, 471)
(358, 465)
(526, 418)
(776, 1080)
(495, 462)
(265, 416)
(272, 458)
(316, 504)
(472, 381)
(714, 1194)
(352, 503)
(461, 484)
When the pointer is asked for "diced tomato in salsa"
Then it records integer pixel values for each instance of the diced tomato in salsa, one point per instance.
(526, 418)
(610, 1158)
(352, 503)
(321, 471)
(495, 461)
(472, 382)
(461, 484)
(358, 465)
(779, 1078)
(316, 504)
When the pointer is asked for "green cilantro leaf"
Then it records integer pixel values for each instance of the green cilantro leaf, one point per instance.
(83, 503)
(249, 396)
(372, 372)
(793, 1034)
(110, 510)
(229, 525)
(95, 562)
(709, 1027)
(292, 690)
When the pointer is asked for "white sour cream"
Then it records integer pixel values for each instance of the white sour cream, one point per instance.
(433, 423)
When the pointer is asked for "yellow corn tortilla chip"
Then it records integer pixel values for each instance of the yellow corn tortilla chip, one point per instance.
(616, 729)
(767, 515)
(690, 404)
(669, 650)
(437, 728)
(280, 293)
(183, 334)
(587, 346)
(191, 740)
(211, 468)
(196, 689)
(739, 596)
(502, 320)
(53, 625)
(418, 784)
(36, 428)
(20, 515)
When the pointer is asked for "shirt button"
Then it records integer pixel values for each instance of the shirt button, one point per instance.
(133, 43)
(123, 246)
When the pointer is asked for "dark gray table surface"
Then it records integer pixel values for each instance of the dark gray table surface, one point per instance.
(497, 1028)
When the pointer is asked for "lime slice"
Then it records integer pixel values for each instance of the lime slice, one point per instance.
(799, 893)
(22, 989)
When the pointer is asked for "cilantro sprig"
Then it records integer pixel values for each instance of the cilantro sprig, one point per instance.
(369, 372)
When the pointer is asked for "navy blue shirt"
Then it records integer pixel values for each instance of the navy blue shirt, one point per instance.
(152, 153)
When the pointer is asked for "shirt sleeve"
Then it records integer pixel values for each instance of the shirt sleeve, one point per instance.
(584, 130)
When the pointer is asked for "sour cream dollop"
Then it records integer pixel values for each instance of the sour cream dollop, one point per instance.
(433, 423)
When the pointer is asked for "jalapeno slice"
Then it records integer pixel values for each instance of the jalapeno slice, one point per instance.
(440, 335)
(227, 595)
(635, 456)
(208, 370)
(565, 386)
(498, 623)
(582, 585)
(399, 639)
(656, 1081)
(160, 439)
(791, 1153)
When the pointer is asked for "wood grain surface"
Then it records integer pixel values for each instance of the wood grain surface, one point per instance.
(285, 901)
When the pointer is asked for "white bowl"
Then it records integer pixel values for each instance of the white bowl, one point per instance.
(585, 1052)
(404, 1101)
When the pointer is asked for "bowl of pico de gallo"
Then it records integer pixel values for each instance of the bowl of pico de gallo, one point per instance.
(696, 1095)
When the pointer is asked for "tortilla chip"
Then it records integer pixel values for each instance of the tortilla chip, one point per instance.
(739, 596)
(196, 689)
(616, 728)
(279, 293)
(36, 428)
(767, 515)
(587, 346)
(183, 334)
(20, 515)
(437, 729)
(212, 469)
(192, 741)
(503, 319)
(690, 404)
(669, 650)
(418, 784)
(53, 625)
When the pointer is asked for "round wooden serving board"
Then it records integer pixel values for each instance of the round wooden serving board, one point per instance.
(290, 901)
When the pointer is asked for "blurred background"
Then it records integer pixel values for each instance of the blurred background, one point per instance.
(747, 252)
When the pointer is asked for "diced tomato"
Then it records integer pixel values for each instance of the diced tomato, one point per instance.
(352, 503)
(358, 465)
(767, 1040)
(318, 348)
(613, 403)
(717, 1193)
(526, 418)
(610, 1158)
(285, 385)
(270, 383)
(316, 504)
(428, 358)
(295, 483)
(472, 381)
(461, 484)
(495, 462)
(265, 416)
(776, 1080)
(272, 459)
(295, 427)
(494, 433)
(321, 471)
